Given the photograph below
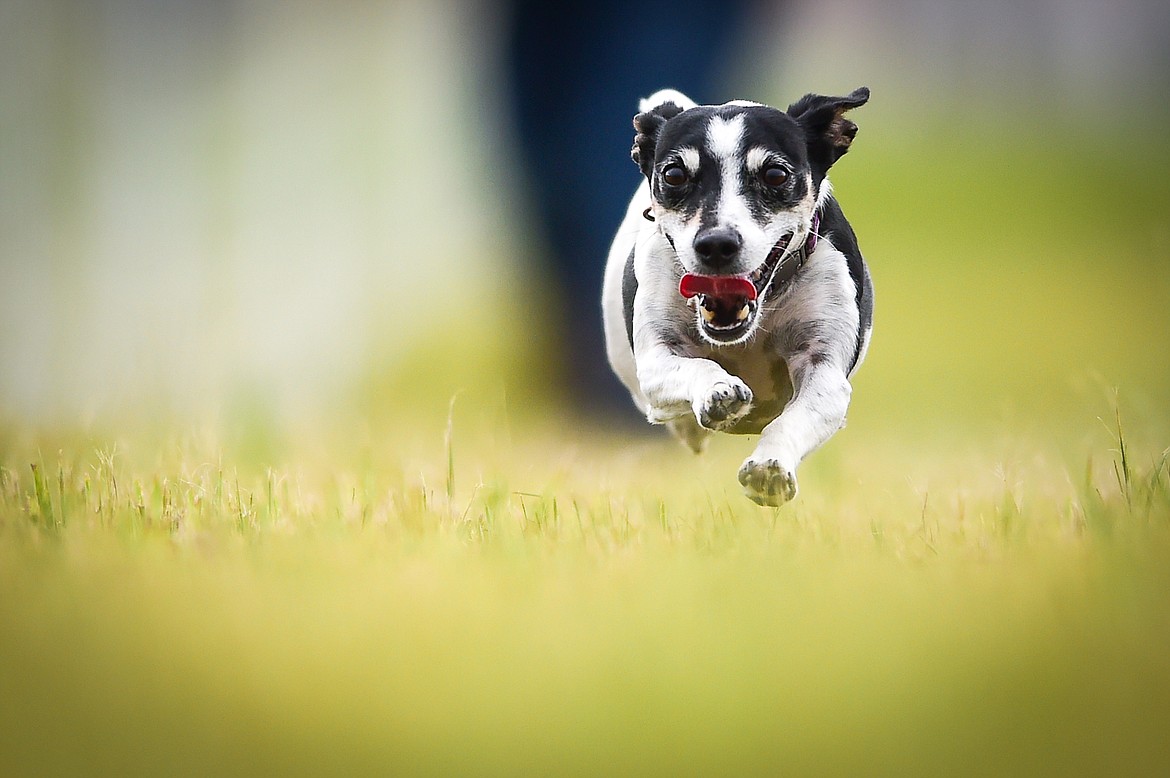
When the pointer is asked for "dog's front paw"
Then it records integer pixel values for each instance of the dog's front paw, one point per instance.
(767, 481)
(723, 404)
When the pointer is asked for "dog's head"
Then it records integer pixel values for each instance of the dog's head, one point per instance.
(734, 190)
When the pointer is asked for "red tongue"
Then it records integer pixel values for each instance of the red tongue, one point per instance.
(716, 286)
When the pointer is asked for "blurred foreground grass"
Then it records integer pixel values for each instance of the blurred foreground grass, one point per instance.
(532, 603)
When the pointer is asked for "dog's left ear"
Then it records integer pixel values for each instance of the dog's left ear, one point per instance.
(828, 132)
(648, 124)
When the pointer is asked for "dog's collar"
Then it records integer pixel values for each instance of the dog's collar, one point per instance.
(792, 264)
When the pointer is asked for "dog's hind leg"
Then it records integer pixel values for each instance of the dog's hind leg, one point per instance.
(689, 432)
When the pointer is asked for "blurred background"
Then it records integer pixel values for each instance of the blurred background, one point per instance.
(282, 211)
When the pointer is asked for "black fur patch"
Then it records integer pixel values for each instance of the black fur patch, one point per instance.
(648, 125)
(828, 132)
(834, 225)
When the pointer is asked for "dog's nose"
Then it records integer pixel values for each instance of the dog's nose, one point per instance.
(718, 247)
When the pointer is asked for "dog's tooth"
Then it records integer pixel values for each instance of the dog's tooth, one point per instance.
(708, 314)
(742, 313)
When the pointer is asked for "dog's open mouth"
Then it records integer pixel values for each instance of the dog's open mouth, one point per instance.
(727, 305)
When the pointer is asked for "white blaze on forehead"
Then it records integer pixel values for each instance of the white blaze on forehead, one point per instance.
(723, 136)
(723, 140)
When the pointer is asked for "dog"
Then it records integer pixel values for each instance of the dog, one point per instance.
(735, 297)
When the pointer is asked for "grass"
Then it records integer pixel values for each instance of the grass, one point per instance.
(468, 603)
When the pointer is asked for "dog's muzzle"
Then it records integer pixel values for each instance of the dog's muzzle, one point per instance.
(728, 304)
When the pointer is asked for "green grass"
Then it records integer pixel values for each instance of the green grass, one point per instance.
(470, 603)
(975, 578)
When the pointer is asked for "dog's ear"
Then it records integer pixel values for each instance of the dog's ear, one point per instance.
(648, 124)
(828, 132)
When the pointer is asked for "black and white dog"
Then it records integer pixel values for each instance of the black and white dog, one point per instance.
(735, 297)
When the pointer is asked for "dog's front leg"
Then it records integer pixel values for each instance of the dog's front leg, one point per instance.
(676, 385)
(817, 409)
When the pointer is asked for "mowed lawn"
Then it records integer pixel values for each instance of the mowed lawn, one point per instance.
(975, 578)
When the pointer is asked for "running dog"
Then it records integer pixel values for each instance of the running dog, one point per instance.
(735, 296)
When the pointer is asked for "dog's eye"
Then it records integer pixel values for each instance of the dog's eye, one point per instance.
(774, 176)
(674, 175)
